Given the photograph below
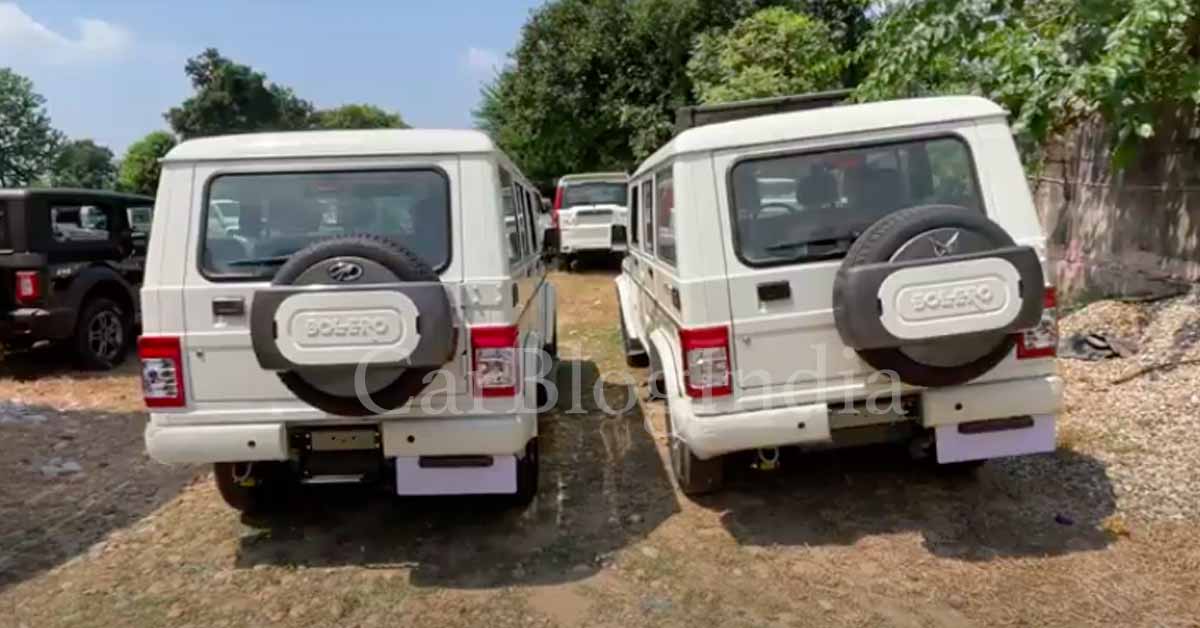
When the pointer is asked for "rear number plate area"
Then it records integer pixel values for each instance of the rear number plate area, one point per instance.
(343, 440)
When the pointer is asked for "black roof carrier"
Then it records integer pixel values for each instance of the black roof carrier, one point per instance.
(700, 115)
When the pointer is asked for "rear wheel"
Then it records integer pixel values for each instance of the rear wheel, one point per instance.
(633, 357)
(693, 475)
(102, 333)
(527, 474)
(252, 487)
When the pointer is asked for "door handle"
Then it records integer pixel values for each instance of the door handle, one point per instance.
(774, 291)
(229, 306)
(650, 272)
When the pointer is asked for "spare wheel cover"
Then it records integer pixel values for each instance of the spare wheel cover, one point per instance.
(939, 234)
(355, 325)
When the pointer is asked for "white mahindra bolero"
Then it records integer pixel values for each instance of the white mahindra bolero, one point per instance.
(589, 213)
(347, 306)
(848, 275)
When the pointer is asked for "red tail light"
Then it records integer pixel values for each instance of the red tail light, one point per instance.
(29, 287)
(162, 371)
(494, 360)
(1041, 341)
(707, 371)
(558, 201)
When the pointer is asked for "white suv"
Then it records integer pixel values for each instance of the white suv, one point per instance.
(589, 213)
(847, 275)
(346, 306)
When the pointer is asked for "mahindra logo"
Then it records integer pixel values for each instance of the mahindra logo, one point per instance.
(947, 247)
(345, 272)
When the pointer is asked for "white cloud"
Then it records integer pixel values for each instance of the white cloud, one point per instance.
(23, 36)
(482, 61)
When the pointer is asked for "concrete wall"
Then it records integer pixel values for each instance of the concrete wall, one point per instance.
(1134, 232)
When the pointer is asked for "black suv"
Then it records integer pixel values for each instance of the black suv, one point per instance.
(71, 263)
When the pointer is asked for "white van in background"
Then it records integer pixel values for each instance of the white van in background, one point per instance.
(590, 214)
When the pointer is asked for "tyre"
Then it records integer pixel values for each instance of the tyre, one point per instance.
(693, 475)
(252, 487)
(938, 330)
(103, 333)
(527, 474)
(331, 271)
(633, 358)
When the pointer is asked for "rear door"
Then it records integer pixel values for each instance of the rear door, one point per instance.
(793, 213)
(267, 214)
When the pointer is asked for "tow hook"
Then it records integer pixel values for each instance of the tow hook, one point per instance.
(768, 459)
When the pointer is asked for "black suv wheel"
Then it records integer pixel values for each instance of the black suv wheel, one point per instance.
(102, 333)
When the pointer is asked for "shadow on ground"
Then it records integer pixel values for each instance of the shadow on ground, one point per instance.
(25, 365)
(69, 478)
(1039, 505)
(602, 487)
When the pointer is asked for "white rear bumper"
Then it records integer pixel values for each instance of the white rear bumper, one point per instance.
(244, 442)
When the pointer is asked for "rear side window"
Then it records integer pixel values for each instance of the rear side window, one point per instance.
(256, 221)
(665, 224)
(648, 215)
(80, 223)
(633, 214)
(811, 206)
(512, 229)
(4, 240)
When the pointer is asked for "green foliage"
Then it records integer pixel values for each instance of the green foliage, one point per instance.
(28, 144)
(771, 53)
(593, 84)
(84, 164)
(140, 169)
(356, 116)
(1051, 64)
(233, 98)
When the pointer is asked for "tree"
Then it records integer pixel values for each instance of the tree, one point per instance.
(84, 164)
(233, 98)
(141, 168)
(593, 84)
(357, 117)
(771, 53)
(28, 144)
(1051, 64)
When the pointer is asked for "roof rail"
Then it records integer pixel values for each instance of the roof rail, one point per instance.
(700, 115)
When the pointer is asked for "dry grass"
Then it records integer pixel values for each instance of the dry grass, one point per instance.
(839, 539)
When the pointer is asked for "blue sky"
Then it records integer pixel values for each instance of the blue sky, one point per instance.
(110, 69)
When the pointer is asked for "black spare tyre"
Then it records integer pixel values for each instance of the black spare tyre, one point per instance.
(353, 325)
(934, 294)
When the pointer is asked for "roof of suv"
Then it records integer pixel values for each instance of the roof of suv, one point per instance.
(362, 143)
(825, 122)
(593, 176)
(117, 196)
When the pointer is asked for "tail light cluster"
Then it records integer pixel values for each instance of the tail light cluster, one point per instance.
(1041, 341)
(29, 287)
(162, 371)
(494, 360)
(558, 201)
(707, 369)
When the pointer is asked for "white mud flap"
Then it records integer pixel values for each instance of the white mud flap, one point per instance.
(981, 440)
(500, 477)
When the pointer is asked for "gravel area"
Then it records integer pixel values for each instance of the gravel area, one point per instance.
(1139, 415)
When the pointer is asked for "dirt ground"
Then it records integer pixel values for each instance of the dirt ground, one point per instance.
(849, 538)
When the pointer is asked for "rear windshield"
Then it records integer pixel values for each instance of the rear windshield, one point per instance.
(4, 243)
(597, 193)
(812, 206)
(254, 222)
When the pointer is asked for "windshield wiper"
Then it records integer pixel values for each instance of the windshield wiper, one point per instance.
(261, 261)
(839, 244)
